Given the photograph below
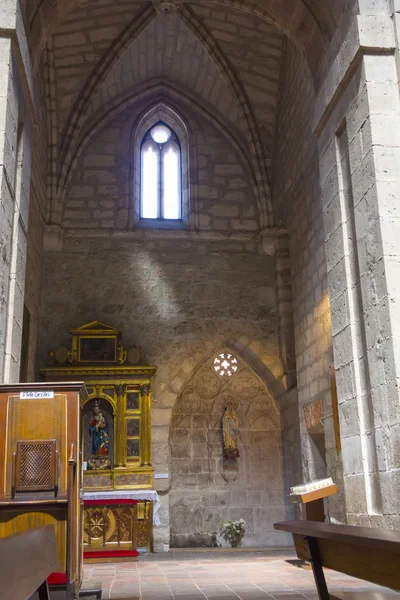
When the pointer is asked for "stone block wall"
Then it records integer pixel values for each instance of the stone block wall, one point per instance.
(206, 490)
(16, 121)
(297, 197)
(101, 191)
(181, 294)
(38, 214)
(9, 127)
(180, 298)
(357, 116)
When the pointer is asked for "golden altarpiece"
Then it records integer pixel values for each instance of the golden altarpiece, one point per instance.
(116, 438)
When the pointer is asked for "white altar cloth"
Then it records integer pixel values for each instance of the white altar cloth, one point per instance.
(128, 495)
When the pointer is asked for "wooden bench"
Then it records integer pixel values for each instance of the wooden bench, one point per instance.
(369, 554)
(26, 560)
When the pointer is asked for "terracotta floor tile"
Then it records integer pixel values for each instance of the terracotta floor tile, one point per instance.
(212, 575)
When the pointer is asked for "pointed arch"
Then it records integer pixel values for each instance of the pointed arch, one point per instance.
(199, 30)
(154, 93)
(92, 84)
(264, 200)
(78, 113)
(309, 23)
(244, 354)
(160, 112)
(202, 425)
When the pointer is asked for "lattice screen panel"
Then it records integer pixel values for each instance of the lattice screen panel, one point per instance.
(35, 468)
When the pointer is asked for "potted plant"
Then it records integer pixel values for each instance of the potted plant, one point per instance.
(232, 532)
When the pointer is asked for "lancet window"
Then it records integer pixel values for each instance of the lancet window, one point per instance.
(161, 174)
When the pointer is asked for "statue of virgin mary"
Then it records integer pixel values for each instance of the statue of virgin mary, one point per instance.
(230, 430)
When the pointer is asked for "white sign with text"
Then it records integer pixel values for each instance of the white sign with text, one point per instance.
(36, 394)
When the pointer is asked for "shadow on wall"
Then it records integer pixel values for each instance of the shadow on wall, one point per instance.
(201, 495)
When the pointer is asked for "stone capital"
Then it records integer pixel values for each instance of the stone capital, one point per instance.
(165, 7)
(269, 241)
(368, 34)
(53, 239)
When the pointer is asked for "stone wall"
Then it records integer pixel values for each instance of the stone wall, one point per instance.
(180, 296)
(206, 489)
(357, 118)
(17, 115)
(100, 193)
(38, 213)
(297, 201)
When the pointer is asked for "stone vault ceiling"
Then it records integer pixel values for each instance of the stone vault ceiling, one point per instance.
(309, 23)
(253, 48)
(168, 50)
(81, 41)
(95, 52)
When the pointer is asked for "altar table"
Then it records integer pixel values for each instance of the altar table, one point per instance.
(118, 524)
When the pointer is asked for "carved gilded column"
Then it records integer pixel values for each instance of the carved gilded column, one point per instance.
(146, 425)
(119, 430)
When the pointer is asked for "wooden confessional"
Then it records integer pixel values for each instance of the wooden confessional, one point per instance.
(41, 469)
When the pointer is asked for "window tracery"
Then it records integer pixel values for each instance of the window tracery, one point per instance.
(161, 174)
(225, 364)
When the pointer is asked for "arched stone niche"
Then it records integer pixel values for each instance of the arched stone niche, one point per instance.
(107, 411)
(203, 493)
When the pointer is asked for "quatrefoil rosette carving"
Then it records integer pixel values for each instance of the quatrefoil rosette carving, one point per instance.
(225, 364)
(207, 385)
(246, 385)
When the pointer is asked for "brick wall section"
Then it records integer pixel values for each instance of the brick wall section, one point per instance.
(102, 186)
(297, 201)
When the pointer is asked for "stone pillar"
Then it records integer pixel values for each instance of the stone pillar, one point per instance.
(394, 7)
(376, 176)
(358, 124)
(283, 287)
(8, 130)
(160, 420)
(16, 115)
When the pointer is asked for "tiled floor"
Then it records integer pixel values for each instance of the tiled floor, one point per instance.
(213, 575)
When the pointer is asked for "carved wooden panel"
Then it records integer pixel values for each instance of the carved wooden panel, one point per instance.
(144, 524)
(117, 526)
(37, 420)
(36, 466)
(132, 401)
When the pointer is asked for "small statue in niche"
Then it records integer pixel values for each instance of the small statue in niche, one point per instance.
(230, 432)
(98, 430)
